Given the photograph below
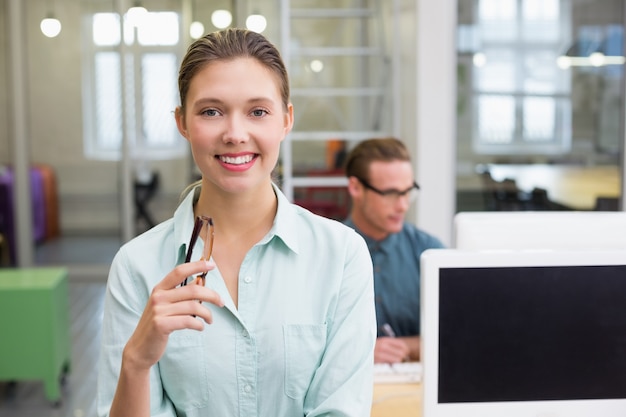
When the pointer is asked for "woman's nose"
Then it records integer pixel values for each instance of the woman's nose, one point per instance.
(235, 130)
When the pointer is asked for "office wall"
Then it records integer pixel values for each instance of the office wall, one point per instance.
(88, 190)
(435, 136)
(4, 86)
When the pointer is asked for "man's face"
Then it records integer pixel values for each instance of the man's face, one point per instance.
(380, 215)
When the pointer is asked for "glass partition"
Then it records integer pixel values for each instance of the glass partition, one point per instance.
(540, 104)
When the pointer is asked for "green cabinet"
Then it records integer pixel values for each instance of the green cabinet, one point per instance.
(34, 326)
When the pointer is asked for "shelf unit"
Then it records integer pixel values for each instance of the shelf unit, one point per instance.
(354, 97)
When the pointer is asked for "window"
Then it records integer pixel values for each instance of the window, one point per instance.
(521, 96)
(152, 50)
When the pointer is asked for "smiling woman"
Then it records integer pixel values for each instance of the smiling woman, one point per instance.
(269, 334)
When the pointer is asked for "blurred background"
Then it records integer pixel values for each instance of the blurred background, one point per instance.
(506, 105)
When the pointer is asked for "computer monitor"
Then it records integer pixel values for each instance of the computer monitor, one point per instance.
(524, 333)
(540, 230)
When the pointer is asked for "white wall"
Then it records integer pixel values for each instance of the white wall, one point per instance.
(435, 116)
(4, 86)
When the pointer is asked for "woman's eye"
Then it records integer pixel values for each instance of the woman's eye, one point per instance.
(210, 112)
(259, 112)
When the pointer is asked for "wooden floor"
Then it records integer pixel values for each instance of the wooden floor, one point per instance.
(87, 260)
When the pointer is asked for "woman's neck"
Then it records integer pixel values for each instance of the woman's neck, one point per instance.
(233, 213)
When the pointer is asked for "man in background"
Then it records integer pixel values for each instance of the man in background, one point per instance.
(382, 186)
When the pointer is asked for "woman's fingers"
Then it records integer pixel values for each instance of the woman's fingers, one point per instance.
(188, 292)
(183, 309)
(182, 271)
(161, 317)
(171, 307)
(170, 291)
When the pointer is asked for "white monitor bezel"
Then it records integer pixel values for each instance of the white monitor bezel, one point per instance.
(434, 259)
(540, 229)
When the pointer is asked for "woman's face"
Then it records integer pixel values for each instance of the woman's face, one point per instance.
(235, 121)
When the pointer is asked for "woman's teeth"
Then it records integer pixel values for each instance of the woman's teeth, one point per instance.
(239, 160)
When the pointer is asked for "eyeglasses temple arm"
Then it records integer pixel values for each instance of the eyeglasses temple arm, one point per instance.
(194, 236)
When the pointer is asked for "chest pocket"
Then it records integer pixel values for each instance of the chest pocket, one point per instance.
(184, 372)
(304, 347)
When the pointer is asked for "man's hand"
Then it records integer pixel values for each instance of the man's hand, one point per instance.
(390, 350)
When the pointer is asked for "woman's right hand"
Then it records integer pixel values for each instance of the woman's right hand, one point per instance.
(170, 307)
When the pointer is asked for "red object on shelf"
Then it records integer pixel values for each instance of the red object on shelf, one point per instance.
(327, 201)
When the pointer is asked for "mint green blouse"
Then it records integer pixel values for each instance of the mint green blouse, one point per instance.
(300, 343)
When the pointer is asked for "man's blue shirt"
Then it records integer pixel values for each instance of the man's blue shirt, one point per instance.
(396, 261)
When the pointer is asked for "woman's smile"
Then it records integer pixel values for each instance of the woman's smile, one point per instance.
(239, 162)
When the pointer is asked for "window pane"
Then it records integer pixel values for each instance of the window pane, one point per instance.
(546, 10)
(106, 29)
(498, 20)
(160, 99)
(108, 112)
(539, 119)
(494, 10)
(541, 75)
(150, 86)
(614, 46)
(498, 73)
(540, 20)
(159, 28)
(496, 119)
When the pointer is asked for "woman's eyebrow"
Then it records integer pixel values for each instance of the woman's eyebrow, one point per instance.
(261, 100)
(206, 101)
(254, 101)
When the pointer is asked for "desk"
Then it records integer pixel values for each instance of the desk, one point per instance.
(397, 400)
(34, 323)
(573, 186)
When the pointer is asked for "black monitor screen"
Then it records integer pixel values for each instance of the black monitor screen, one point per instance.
(532, 333)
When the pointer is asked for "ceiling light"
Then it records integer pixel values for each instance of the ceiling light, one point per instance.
(50, 26)
(316, 65)
(221, 18)
(256, 23)
(196, 30)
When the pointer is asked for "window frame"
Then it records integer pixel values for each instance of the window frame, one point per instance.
(140, 147)
(561, 95)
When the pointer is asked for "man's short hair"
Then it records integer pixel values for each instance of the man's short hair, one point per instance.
(378, 149)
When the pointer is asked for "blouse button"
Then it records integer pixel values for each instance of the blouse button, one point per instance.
(247, 280)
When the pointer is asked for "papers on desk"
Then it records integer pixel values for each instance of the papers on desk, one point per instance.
(397, 373)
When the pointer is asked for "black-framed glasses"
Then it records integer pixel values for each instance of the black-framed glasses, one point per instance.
(392, 195)
(200, 223)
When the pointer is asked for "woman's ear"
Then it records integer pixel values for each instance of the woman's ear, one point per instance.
(288, 122)
(180, 122)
